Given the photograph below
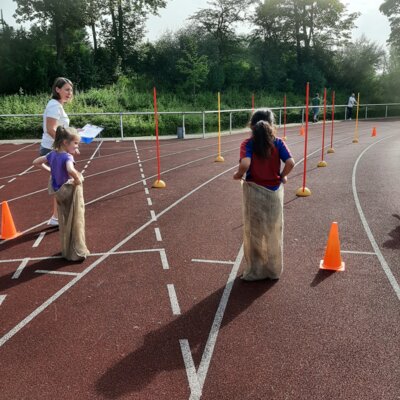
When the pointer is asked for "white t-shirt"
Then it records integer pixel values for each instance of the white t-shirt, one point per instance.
(352, 101)
(54, 109)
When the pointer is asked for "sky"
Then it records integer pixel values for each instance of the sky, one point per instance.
(371, 23)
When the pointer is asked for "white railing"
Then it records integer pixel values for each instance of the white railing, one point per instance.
(279, 111)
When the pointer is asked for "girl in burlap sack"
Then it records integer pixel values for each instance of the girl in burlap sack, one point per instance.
(260, 159)
(66, 184)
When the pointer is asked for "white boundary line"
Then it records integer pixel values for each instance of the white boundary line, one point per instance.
(2, 298)
(384, 264)
(158, 234)
(176, 310)
(212, 261)
(190, 369)
(23, 173)
(21, 267)
(358, 252)
(43, 271)
(16, 151)
(39, 239)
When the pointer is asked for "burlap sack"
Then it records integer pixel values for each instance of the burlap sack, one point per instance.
(71, 219)
(263, 232)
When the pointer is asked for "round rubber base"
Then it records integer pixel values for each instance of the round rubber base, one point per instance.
(159, 184)
(303, 193)
(355, 140)
(322, 164)
(331, 150)
(341, 267)
(219, 159)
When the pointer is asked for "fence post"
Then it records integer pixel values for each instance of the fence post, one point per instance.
(280, 117)
(204, 125)
(230, 123)
(121, 126)
(183, 125)
(302, 116)
(366, 112)
(386, 112)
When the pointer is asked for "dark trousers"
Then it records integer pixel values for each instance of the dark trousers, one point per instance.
(349, 112)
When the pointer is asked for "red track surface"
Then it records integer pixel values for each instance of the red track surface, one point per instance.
(109, 332)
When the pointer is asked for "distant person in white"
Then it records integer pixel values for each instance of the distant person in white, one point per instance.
(54, 116)
(350, 104)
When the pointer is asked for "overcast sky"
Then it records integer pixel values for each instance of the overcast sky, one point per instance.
(371, 23)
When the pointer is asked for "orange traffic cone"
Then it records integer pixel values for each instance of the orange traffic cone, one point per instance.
(373, 132)
(332, 259)
(302, 131)
(8, 230)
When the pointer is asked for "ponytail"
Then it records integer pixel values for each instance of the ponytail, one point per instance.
(263, 139)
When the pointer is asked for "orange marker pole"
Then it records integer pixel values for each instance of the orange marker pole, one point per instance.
(158, 183)
(333, 118)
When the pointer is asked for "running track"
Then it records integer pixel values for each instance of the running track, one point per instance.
(158, 311)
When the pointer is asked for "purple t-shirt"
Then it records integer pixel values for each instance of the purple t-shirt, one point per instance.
(58, 164)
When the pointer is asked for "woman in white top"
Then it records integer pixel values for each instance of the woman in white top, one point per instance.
(54, 116)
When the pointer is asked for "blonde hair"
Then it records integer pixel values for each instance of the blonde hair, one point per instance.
(68, 134)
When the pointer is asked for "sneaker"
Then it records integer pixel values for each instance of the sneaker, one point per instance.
(53, 221)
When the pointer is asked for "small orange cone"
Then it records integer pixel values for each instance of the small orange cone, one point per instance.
(302, 131)
(332, 259)
(373, 132)
(8, 230)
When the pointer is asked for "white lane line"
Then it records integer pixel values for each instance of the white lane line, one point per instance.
(358, 252)
(6, 337)
(144, 182)
(142, 175)
(19, 270)
(384, 264)
(16, 151)
(43, 271)
(134, 143)
(39, 239)
(174, 300)
(213, 335)
(153, 215)
(23, 173)
(149, 202)
(115, 253)
(190, 369)
(146, 190)
(88, 162)
(164, 260)
(158, 234)
(140, 165)
(2, 298)
(212, 261)
(11, 180)
(141, 169)
(1, 187)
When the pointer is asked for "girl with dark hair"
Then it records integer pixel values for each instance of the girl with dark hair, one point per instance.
(260, 159)
(54, 116)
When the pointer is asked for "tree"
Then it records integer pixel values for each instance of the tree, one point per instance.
(61, 16)
(391, 8)
(193, 66)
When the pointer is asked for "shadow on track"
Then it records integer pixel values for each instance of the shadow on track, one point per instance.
(31, 236)
(394, 243)
(160, 351)
(321, 275)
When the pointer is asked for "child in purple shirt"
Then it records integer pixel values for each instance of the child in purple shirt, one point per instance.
(60, 162)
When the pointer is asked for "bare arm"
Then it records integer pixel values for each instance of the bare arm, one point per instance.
(289, 164)
(74, 173)
(41, 162)
(51, 126)
(244, 165)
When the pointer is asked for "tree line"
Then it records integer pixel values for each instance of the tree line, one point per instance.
(288, 42)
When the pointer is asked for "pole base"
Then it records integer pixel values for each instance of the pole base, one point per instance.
(341, 267)
(303, 192)
(219, 159)
(159, 184)
(331, 150)
(322, 164)
(355, 140)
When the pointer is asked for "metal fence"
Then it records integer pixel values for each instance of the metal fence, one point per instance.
(365, 111)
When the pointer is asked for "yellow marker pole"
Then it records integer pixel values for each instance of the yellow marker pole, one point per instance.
(355, 140)
(219, 157)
